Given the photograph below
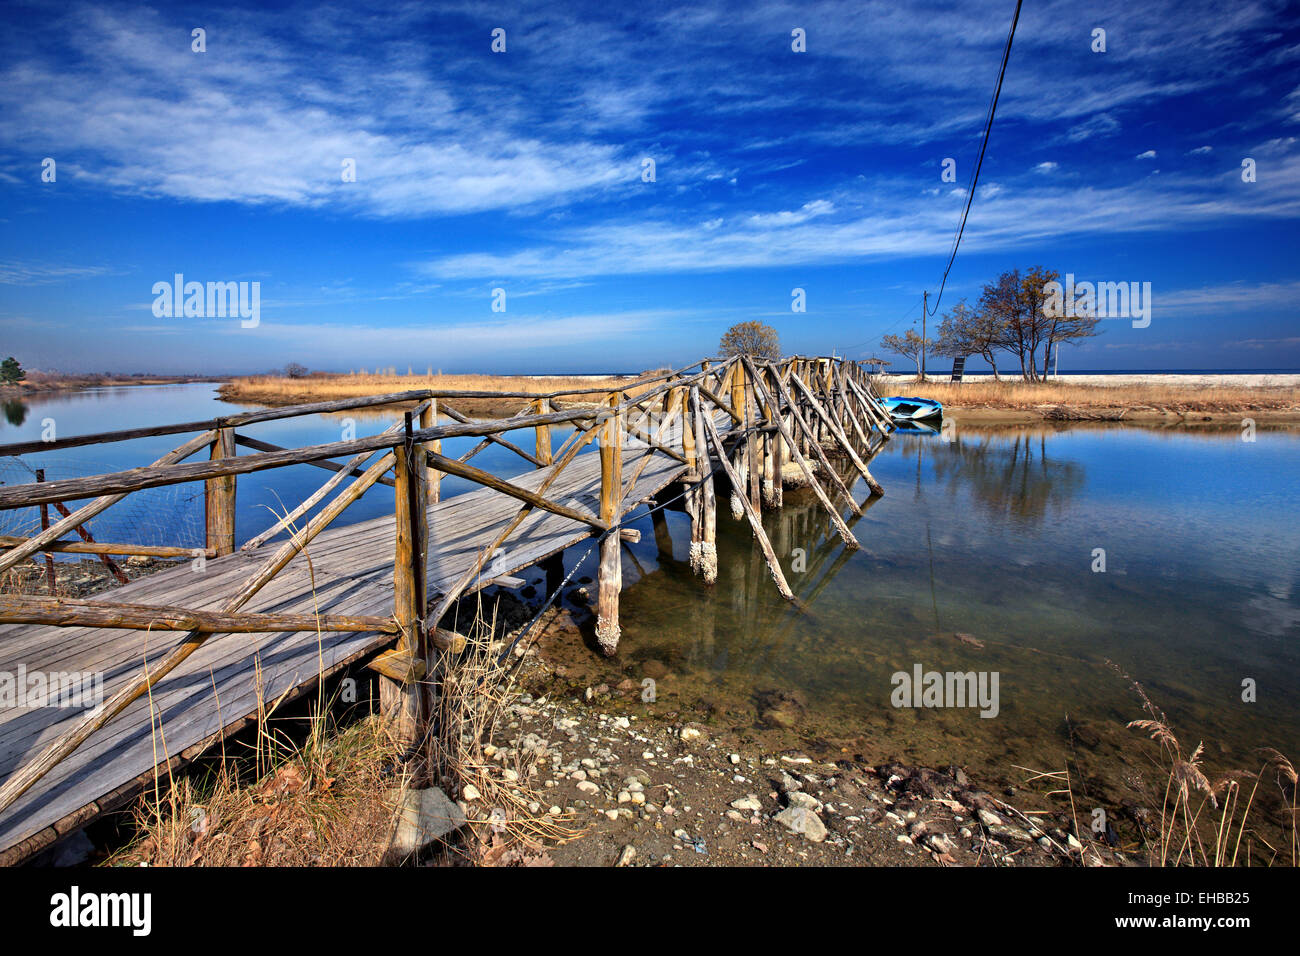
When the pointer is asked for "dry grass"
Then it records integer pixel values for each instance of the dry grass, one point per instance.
(331, 800)
(323, 803)
(278, 390)
(1024, 395)
(1192, 819)
(509, 822)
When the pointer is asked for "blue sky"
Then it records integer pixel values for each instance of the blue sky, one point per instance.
(522, 170)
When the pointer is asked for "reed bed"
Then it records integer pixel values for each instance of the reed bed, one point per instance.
(320, 387)
(1026, 395)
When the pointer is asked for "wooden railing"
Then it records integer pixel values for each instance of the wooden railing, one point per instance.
(778, 421)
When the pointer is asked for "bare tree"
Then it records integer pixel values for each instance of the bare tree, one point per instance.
(294, 370)
(909, 346)
(751, 338)
(966, 331)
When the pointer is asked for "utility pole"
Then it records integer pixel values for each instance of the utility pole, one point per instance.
(925, 311)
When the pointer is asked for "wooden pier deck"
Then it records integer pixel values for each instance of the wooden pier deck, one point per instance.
(358, 572)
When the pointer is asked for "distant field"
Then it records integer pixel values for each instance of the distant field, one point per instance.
(1096, 398)
(278, 390)
(53, 381)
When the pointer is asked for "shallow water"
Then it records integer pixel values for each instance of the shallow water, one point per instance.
(993, 536)
(174, 515)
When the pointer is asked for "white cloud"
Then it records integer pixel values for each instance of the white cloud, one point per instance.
(1149, 154)
(1045, 167)
(15, 272)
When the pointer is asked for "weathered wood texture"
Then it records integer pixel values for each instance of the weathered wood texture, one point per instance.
(353, 568)
(185, 656)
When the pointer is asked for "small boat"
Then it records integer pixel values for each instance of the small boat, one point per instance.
(903, 408)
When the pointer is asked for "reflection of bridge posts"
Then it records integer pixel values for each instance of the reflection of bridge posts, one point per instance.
(663, 538)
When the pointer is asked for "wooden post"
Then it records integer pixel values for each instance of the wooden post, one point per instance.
(740, 469)
(708, 504)
(753, 449)
(693, 476)
(219, 498)
(432, 476)
(400, 701)
(542, 407)
(45, 526)
(610, 577)
(755, 522)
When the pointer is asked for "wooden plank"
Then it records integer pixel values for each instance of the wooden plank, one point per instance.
(349, 565)
(70, 612)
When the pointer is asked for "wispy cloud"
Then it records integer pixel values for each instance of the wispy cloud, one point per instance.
(13, 272)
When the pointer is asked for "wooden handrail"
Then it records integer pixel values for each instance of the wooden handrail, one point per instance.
(294, 411)
(66, 612)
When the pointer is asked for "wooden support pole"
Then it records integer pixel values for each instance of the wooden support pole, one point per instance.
(45, 526)
(401, 702)
(432, 476)
(694, 491)
(753, 449)
(755, 522)
(610, 578)
(707, 505)
(817, 450)
(219, 498)
(845, 533)
(543, 438)
(838, 433)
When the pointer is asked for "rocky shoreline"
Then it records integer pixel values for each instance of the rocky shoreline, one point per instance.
(650, 789)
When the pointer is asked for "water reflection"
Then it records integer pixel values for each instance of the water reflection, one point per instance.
(992, 535)
(1007, 476)
(15, 411)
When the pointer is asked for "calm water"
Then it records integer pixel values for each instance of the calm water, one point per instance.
(992, 535)
(174, 515)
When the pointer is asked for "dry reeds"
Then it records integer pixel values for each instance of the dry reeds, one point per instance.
(277, 390)
(509, 820)
(1026, 395)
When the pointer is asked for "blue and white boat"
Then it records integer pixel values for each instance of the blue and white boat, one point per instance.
(904, 408)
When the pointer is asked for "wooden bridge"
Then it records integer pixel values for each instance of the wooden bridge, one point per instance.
(103, 695)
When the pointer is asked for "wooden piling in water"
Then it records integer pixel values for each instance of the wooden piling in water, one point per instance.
(708, 504)
(610, 576)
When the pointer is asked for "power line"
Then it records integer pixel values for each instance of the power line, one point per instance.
(899, 321)
(988, 127)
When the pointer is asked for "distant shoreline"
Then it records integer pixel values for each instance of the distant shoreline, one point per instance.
(74, 383)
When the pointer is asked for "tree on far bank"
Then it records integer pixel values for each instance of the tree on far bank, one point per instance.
(294, 370)
(909, 346)
(967, 331)
(11, 372)
(751, 338)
